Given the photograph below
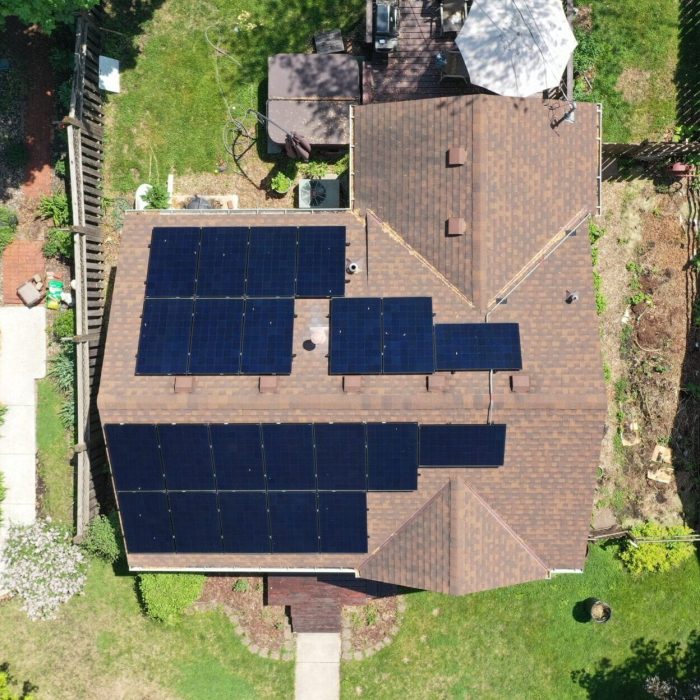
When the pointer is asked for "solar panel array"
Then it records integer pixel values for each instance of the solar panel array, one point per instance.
(477, 346)
(456, 445)
(271, 487)
(220, 300)
(381, 336)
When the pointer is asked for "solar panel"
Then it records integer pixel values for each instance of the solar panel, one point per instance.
(165, 336)
(146, 522)
(477, 346)
(272, 258)
(462, 445)
(195, 521)
(268, 326)
(321, 266)
(186, 457)
(134, 457)
(238, 456)
(293, 522)
(392, 456)
(408, 335)
(343, 522)
(172, 262)
(222, 261)
(340, 456)
(244, 522)
(356, 336)
(289, 456)
(216, 336)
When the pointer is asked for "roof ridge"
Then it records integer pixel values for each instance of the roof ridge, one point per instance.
(494, 514)
(414, 516)
(479, 197)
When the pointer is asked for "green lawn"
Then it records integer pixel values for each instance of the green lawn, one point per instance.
(170, 113)
(101, 646)
(524, 642)
(635, 43)
(54, 445)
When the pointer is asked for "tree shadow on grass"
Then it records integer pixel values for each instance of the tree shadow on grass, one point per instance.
(672, 662)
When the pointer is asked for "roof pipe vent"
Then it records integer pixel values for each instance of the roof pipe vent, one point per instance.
(353, 268)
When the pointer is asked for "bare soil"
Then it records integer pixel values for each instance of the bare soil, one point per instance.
(644, 257)
(242, 597)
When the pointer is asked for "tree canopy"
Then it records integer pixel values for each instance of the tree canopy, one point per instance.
(46, 13)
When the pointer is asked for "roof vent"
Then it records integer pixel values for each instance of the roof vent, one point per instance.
(571, 297)
(353, 268)
(456, 226)
(456, 155)
(319, 194)
(519, 383)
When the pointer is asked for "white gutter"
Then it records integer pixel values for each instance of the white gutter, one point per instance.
(555, 572)
(242, 570)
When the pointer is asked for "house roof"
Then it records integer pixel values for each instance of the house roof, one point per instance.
(462, 530)
(522, 183)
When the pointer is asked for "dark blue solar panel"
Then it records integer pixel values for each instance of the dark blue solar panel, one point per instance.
(293, 522)
(186, 456)
(134, 456)
(165, 336)
(238, 456)
(462, 445)
(477, 346)
(289, 456)
(268, 327)
(392, 456)
(321, 266)
(272, 257)
(195, 522)
(146, 522)
(408, 335)
(222, 262)
(172, 262)
(244, 522)
(340, 456)
(343, 522)
(356, 336)
(216, 336)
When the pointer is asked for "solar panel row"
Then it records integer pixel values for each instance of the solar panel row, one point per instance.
(268, 456)
(244, 522)
(477, 346)
(262, 261)
(375, 336)
(458, 445)
(216, 336)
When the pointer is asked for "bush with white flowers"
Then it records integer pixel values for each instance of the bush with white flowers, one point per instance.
(42, 567)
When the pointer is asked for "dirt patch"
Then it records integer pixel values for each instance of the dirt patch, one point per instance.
(264, 626)
(584, 18)
(634, 84)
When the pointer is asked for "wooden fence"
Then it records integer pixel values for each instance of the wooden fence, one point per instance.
(84, 124)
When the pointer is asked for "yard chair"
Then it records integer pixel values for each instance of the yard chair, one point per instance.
(453, 14)
(454, 66)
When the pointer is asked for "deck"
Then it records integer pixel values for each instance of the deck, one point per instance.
(411, 72)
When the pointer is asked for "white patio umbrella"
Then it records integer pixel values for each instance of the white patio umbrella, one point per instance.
(516, 47)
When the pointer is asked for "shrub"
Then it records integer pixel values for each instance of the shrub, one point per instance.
(314, 169)
(63, 325)
(62, 373)
(64, 93)
(281, 183)
(157, 197)
(241, 585)
(8, 218)
(16, 155)
(42, 567)
(640, 557)
(166, 596)
(103, 538)
(59, 244)
(6, 236)
(55, 207)
(6, 683)
(61, 168)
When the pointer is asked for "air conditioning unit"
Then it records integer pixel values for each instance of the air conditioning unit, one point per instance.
(319, 194)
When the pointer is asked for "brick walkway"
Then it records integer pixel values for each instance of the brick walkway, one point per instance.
(21, 261)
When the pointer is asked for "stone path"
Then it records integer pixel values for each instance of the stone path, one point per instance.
(22, 362)
(317, 673)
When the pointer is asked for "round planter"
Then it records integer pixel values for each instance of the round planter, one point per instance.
(600, 611)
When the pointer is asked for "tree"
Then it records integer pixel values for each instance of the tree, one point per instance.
(46, 13)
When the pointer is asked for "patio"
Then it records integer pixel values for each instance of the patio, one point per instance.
(411, 71)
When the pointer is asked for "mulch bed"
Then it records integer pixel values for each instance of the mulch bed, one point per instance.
(370, 627)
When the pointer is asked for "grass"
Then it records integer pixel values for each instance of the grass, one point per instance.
(524, 642)
(634, 50)
(102, 646)
(170, 113)
(54, 447)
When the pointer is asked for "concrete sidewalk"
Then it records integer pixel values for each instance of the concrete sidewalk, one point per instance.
(22, 362)
(317, 674)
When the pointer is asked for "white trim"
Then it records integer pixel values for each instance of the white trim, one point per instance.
(555, 572)
(243, 569)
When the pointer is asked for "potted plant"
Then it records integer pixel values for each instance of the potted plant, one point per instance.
(280, 183)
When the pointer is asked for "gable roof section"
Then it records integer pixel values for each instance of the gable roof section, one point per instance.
(523, 182)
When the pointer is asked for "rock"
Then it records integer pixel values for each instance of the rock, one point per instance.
(663, 454)
(630, 434)
(663, 475)
(603, 519)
